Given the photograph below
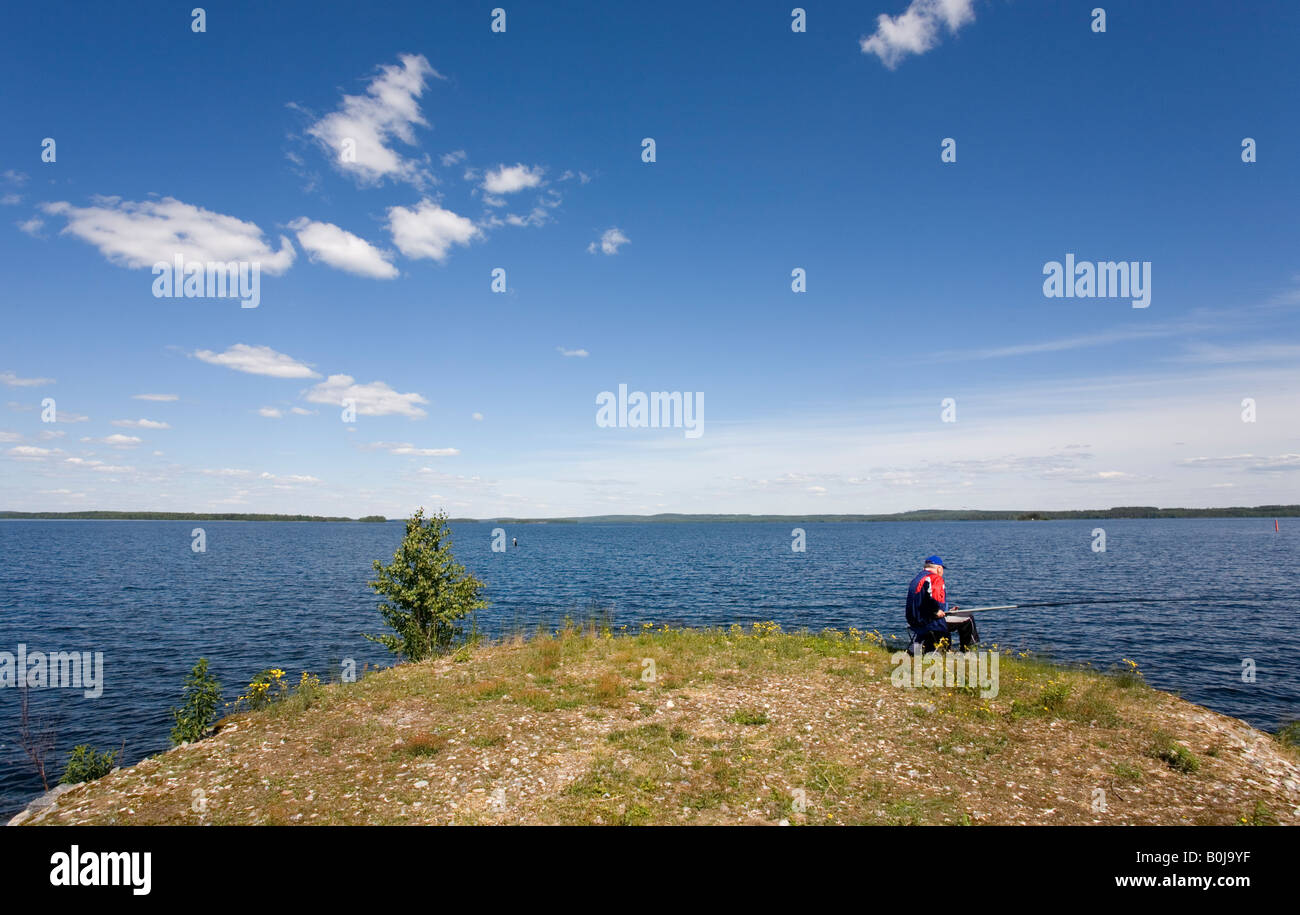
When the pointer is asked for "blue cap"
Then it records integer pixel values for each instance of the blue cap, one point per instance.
(933, 560)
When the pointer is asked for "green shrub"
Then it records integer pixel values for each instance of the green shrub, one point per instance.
(427, 591)
(1289, 734)
(86, 765)
(198, 713)
(1054, 695)
(1174, 755)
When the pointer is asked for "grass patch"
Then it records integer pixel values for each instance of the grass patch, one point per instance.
(1260, 815)
(494, 688)
(609, 688)
(423, 745)
(1173, 754)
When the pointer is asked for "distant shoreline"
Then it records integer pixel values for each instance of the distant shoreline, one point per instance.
(1107, 514)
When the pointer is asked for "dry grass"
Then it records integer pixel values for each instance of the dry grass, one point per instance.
(733, 727)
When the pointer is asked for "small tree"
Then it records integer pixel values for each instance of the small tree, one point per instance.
(36, 739)
(198, 713)
(427, 590)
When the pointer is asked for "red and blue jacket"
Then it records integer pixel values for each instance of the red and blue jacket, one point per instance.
(925, 598)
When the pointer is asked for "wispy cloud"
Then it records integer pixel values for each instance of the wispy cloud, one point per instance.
(917, 29)
(31, 452)
(162, 398)
(358, 137)
(14, 381)
(140, 424)
(408, 449)
(257, 360)
(1062, 344)
(579, 353)
(1253, 353)
(373, 399)
(116, 440)
(1250, 462)
(609, 243)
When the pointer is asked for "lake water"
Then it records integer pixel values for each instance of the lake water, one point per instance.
(294, 596)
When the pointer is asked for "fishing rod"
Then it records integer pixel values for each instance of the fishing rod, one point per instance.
(1104, 600)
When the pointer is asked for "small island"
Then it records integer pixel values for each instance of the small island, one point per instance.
(600, 725)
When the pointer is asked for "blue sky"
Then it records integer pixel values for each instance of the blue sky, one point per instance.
(775, 150)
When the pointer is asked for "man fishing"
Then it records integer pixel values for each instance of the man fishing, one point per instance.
(927, 609)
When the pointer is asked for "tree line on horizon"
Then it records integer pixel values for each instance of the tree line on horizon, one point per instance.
(1120, 512)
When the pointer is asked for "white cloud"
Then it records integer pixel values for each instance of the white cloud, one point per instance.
(916, 30)
(32, 226)
(451, 158)
(31, 452)
(14, 381)
(507, 179)
(368, 123)
(1064, 343)
(408, 448)
(301, 411)
(140, 424)
(290, 478)
(373, 399)
(1251, 462)
(579, 353)
(341, 249)
(610, 241)
(269, 412)
(140, 234)
(429, 231)
(257, 360)
(536, 217)
(157, 397)
(117, 440)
